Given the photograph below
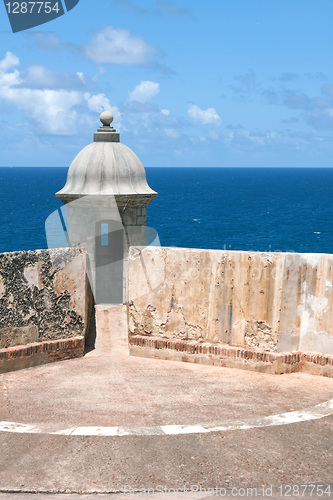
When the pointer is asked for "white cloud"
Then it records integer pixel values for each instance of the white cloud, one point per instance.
(206, 116)
(98, 102)
(145, 91)
(243, 138)
(13, 78)
(10, 79)
(118, 46)
(81, 76)
(53, 110)
(165, 112)
(39, 75)
(10, 61)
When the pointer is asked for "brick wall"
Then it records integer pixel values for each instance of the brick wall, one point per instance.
(26, 356)
(231, 356)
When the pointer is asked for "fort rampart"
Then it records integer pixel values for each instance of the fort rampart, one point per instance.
(271, 303)
(270, 312)
(45, 303)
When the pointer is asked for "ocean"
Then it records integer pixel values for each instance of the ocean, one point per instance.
(259, 209)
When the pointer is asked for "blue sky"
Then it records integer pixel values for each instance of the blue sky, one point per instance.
(217, 83)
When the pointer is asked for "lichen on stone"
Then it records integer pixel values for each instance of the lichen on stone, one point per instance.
(25, 304)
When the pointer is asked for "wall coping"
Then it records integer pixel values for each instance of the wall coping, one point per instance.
(233, 356)
(47, 351)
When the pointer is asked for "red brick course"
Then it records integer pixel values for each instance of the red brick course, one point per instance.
(232, 356)
(49, 351)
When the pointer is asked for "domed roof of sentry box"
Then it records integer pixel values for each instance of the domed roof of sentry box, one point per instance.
(106, 167)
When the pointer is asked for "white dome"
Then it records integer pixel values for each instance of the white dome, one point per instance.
(106, 167)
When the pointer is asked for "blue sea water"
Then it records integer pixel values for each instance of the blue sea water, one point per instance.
(234, 208)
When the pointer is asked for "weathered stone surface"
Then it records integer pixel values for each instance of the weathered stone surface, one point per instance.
(13, 336)
(43, 295)
(271, 301)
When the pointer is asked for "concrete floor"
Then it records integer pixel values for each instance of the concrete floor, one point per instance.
(109, 389)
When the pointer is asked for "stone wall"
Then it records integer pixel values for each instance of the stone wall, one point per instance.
(44, 295)
(275, 302)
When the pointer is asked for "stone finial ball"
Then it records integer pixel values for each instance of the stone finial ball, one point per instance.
(106, 118)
